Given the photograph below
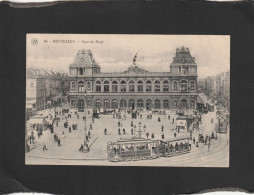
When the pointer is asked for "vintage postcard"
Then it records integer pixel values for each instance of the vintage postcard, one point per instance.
(127, 100)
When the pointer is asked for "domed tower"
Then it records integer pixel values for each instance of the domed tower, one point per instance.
(184, 79)
(84, 64)
(183, 63)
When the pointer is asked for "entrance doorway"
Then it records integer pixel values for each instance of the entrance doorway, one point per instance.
(148, 104)
(81, 105)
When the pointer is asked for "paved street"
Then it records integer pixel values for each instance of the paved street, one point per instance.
(68, 152)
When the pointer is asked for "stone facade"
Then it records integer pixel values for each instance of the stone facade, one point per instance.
(134, 88)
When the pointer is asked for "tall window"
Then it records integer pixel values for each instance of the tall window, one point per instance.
(192, 104)
(98, 86)
(175, 104)
(89, 86)
(114, 104)
(148, 86)
(123, 86)
(183, 86)
(106, 86)
(165, 86)
(114, 86)
(157, 104)
(98, 103)
(175, 86)
(157, 86)
(81, 86)
(73, 86)
(140, 86)
(166, 104)
(106, 104)
(192, 85)
(131, 86)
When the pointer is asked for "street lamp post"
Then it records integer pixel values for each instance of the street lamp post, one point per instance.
(85, 110)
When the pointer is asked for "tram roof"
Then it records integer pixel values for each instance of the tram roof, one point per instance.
(132, 141)
(176, 139)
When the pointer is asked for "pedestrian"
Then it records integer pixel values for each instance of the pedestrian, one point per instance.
(118, 124)
(132, 131)
(209, 147)
(87, 139)
(197, 145)
(162, 136)
(44, 146)
(173, 121)
(59, 142)
(131, 123)
(159, 119)
(162, 128)
(83, 118)
(89, 134)
(57, 123)
(168, 117)
(78, 116)
(81, 148)
(30, 138)
(123, 130)
(174, 134)
(69, 129)
(119, 131)
(152, 135)
(194, 140)
(147, 135)
(63, 135)
(93, 119)
(91, 127)
(105, 131)
(212, 120)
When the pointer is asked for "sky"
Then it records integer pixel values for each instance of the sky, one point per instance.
(114, 53)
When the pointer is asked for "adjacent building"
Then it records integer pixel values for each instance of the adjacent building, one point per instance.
(134, 88)
(45, 88)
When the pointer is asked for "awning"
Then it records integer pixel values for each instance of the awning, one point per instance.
(35, 121)
(199, 100)
(181, 123)
(29, 106)
(30, 101)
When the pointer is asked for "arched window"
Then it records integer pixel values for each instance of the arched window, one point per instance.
(140, 86)
(106, 86)
(131, 86)
(175, 104)
(175, 86)
(192, 104)
(114, 86)
(192, 85)
(148, 86)
(166, 104)
(183, 86)
(157, 104)
(98, 86)
(165, 86)
(157, 86)
(73, 85)
(148, 104)
(98, 103)
(88, 86)
(114, 104)
(106, 104)
(131, 104)
(140, 104)
(123, 103)
(81, 86)
(123, 86)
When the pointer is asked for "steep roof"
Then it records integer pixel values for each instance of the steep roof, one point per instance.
(84, 59)
(183, 56)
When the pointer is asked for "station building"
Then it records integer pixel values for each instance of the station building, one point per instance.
(134, 88)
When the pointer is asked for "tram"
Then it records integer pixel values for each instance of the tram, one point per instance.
(136, 149)
(175, 146)
(132, 150)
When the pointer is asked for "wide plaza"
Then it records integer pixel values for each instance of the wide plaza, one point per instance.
(68, 152)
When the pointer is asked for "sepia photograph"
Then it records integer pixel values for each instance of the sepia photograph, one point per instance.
(127, 100)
